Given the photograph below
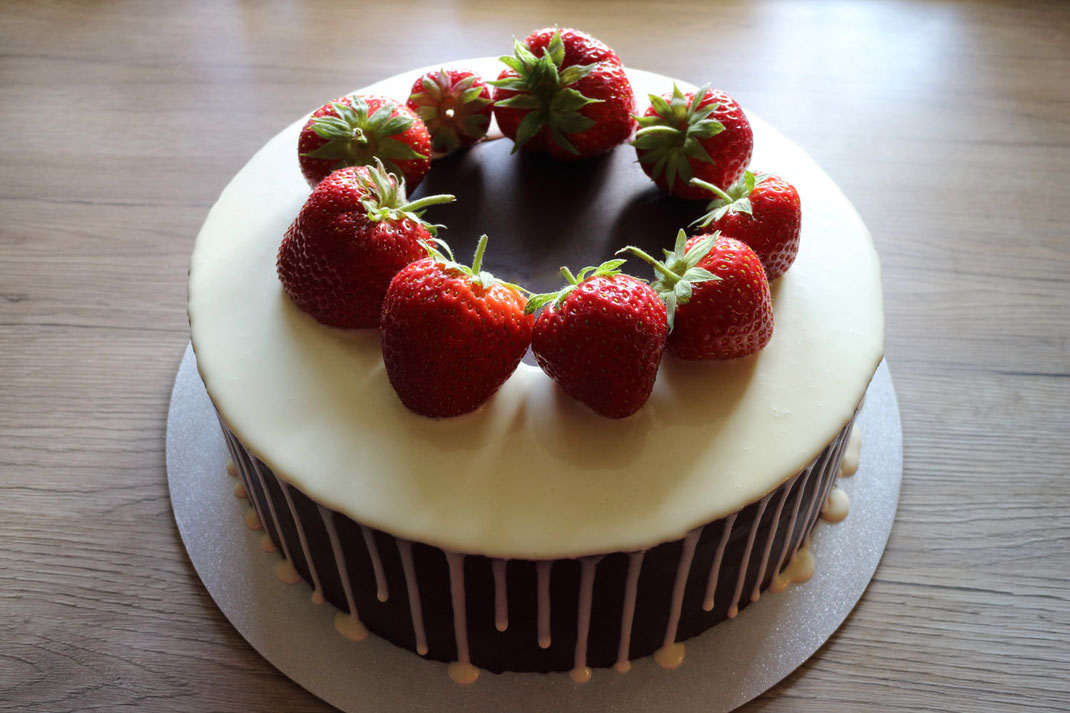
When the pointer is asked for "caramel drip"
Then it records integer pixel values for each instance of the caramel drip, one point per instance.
(461, 670)
(542, 583)
(755, 595)
(773, 586)
(240, 492)
(266, 544)
(631, 590)
(284, 575)
(302, 538)
(580, 672)
(744, 564)
(381, 591)
(232, 470)
(340, 562)
(501, 595)
(715, 569)
(405, 550)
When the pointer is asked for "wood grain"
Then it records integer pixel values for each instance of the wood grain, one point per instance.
(947, 124)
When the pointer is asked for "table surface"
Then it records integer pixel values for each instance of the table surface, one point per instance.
(946, 123)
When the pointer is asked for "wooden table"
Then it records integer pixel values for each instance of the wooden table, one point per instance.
(947, 124)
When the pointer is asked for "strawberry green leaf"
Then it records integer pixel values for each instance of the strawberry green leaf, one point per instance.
(529, 126)
(573, 74)
(427, 113)
(660, 106)
(512, 63)
(559, 138)
(512, 84)
(395, 125)
(334, 149)
(392, 148)
(573, 123)
(431, 88)
(470, 95)
(521, 101)
(556, 49)
(569, 100)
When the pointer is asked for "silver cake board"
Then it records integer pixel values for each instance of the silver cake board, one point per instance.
(723, 669)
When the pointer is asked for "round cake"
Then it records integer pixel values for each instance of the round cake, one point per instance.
(533, 534)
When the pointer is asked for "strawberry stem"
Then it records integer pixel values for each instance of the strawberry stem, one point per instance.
(477, 261)
(710, 187)
(426, 201)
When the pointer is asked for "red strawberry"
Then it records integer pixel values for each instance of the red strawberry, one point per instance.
(451, 334)
(565, 94)
(717, 297)
(351, 237)
(764, 212)
(356, 130)
(703, 134)
(601, 338)
(455, 106)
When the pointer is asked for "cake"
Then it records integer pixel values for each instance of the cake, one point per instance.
(533, 535)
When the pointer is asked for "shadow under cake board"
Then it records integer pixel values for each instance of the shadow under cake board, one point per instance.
(724, 667)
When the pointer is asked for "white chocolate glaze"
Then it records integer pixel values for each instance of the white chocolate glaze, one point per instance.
(852, 455)
(283, 570)
(715, 568)
(733, 609)
(687, 555)
(517, 478)
(756, 592)
(836, 506)
(631, 589)
(461, 670)
(349, 627)
(415, 612)
(382, 592)
(669, 655)
(800, 569)
(580, 672)
(343, 573)
(803, 481)
(286, 572)
(317, 589)
(252, 520)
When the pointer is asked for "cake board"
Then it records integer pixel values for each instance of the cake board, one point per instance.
(724, 668)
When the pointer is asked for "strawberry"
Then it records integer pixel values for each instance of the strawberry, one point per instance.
(355, 130)
(451, 334)
(455, 106)
(353, 234)
(601, 338)
(565, 94)
(716, 295)
(764, 212)
(703, 134)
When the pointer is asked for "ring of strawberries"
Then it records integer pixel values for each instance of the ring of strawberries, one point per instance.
(360, 255)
